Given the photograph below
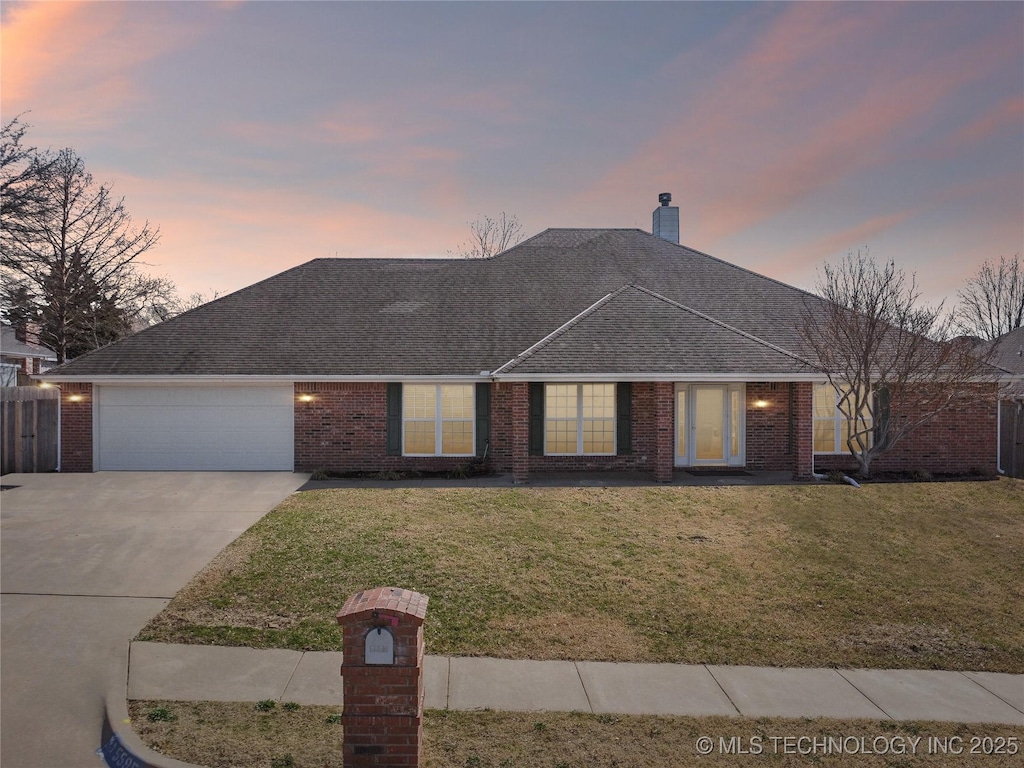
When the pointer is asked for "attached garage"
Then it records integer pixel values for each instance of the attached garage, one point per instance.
(194, 428)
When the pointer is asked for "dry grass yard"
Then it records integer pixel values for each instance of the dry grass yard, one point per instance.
(924, 575)
(239, 736)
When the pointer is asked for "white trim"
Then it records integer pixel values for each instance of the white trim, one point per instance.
(95, 428)
(245, 380)
(711, 378)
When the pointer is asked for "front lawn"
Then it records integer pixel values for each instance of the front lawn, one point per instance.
(911, 575)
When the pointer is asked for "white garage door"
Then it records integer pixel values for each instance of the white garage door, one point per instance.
(195, 428)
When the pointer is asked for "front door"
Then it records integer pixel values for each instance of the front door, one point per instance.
(709, 425)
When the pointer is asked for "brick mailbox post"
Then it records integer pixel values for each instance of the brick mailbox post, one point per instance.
(383, 677)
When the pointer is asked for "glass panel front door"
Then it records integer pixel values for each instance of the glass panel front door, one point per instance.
(709, 418)
(709, 425)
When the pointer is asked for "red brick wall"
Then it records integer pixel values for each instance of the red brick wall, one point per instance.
(960, 440)
(779, 427)
(343, 428)
(76, 400)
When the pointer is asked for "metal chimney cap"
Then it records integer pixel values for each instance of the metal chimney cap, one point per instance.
(665, 198)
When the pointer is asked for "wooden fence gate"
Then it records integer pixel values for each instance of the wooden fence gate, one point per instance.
(28, 429)
(1011, 437)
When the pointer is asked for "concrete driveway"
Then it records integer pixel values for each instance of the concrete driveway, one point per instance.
(85, 561)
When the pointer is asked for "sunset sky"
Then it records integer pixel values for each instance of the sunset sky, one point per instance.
(261, 135)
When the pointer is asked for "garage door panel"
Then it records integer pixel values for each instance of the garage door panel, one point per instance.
(195, 428)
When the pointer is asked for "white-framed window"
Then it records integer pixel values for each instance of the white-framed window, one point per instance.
(579, 419)
(438, 420)
(831, 427)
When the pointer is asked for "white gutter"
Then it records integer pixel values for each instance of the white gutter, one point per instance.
(746, 377)
(242, 380)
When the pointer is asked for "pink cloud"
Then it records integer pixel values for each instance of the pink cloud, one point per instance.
(850, 239)
(79, 63)
(222, 236)
(772, 129)
(1008, 113)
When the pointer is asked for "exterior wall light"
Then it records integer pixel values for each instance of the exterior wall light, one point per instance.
(75, 398)
(306, 398)
(760, 403)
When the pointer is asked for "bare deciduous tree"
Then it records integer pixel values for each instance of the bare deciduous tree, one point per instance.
(72, 261)
(173, 305)
(992, 303)
(21, 170)
(490, 236)
(893, 362)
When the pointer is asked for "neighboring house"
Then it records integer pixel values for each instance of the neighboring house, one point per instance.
(578, 349)
(1008, 354)
(17, 356)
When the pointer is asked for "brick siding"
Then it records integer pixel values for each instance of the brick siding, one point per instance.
(343, 428)
(960, 440)
(76, 427)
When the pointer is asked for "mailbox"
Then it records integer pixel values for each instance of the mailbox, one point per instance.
(379, 646)
(383, 677)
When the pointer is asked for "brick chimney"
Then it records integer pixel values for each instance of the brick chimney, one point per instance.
(665, 221)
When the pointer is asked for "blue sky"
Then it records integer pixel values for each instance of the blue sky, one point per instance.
(261, 135)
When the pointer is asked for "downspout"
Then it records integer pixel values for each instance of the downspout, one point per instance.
(60, 427)
(999, 438)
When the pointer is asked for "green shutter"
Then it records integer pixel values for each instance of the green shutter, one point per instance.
(483, 418)
(394, 425)
(624, 418)
(536, 418)
(882, 402)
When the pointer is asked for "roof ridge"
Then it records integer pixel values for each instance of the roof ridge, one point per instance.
(560, 331)
(807, 294)
(563, 229)
(726, 326)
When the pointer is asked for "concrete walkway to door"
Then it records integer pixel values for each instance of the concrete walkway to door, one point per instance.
(85, 561)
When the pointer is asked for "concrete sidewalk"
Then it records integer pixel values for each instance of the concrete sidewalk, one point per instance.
(208, 673)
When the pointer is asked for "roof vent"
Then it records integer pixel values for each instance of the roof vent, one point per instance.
(665, 221)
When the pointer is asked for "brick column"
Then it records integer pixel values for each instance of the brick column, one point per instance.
(664, 429)
(383, 678)
(520, 418)
(802, 420)
(76, 427)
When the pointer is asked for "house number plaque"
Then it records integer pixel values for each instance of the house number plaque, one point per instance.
(380, 646)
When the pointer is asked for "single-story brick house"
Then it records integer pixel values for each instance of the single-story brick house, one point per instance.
(578, 349)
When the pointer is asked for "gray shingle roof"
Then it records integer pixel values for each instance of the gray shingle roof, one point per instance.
(457, 317)
(11, 347)
(1008, 353)
(635, 330)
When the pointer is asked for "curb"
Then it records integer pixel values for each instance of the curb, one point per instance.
(120, 746)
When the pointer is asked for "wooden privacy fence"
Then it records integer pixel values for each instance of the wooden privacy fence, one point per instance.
(28, 429)
(1011, 437)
